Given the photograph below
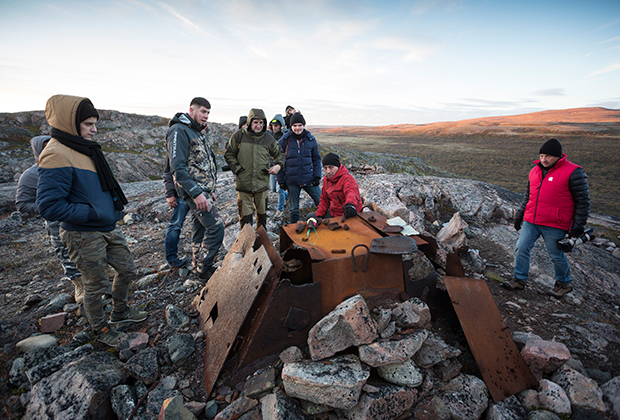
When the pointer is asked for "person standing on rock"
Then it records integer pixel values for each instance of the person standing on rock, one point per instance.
(288, 113)
(340, 194)
(248, 154)
(557, 202)
(194, 170)
(302, 166)
(77, 187)
(179, 211)
(277, 130)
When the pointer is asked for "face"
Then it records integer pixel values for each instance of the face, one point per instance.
(291, 111)
(297, 128)
(200, 114)
(276, 128)
(330, 170)
(548, 160)
(88, 128)
(257, 125)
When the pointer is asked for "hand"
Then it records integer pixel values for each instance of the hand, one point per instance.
(225, 168)
(576, 232)
(274, 169)
(202, 204)
(349, 210)
(214, 197)
(283, 186)
(316, 181)
(518, 223)
(172, 202)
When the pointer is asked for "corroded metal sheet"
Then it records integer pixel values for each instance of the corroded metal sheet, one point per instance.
(396, 244)
(225, 301)
(502, 367)
(379, 222)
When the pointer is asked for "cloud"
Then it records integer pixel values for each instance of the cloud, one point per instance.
(604, 70)
(185, 21)
(550, 92)
(614, 39)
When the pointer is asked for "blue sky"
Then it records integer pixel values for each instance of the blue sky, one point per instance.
(339, 62)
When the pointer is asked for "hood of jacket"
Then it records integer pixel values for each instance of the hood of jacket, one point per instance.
(281, 120)
(61, 112)
(256, 114)
(37, 143)
(185, 119)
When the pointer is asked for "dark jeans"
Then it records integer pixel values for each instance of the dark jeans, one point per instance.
(210, 224)
(293, 199)
(174, 231)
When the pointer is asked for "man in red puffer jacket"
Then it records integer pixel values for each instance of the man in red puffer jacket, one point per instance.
(340, 194)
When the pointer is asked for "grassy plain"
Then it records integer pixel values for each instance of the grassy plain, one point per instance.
(501, 160)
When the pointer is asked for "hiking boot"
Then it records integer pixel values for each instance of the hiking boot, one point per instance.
(129, 315)
(110, 336)
(206, 274)
(78, 284)
(180, 263)
(278, 214)
(514, 284)
(560, 289)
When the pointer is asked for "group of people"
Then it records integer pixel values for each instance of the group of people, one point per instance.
(73, 188)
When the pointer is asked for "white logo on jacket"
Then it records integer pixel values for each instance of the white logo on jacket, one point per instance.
(550, 178)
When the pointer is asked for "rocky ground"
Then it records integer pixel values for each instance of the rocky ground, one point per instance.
(587, 321)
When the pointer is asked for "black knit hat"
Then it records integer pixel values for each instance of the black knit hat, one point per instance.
(84, 112)
(243, 120)
(551, 147)
(331, 159)
(297, 118)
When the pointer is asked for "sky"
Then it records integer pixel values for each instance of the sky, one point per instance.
(338, 62)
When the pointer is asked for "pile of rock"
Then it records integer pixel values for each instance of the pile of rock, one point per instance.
(366, 169)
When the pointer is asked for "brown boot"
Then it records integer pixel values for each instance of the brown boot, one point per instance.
(514, 284)
(79, 289)
(560, 289)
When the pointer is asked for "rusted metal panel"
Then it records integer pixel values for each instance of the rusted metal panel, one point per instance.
(339, 280)
(224, 302)
(396, 244)
(502, 367)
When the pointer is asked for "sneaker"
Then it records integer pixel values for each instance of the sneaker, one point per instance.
(560, 289)
(110, 336)
(514, 284)
(129, 315)
(180, 263)
(206, 274)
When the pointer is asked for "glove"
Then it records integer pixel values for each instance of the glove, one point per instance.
(576, 232)
(316, 181)
(225, 168)
(518, 223)
(283, 187)
(349, 210)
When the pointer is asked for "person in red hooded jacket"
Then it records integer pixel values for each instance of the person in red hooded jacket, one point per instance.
(556, 203)
(340, 194)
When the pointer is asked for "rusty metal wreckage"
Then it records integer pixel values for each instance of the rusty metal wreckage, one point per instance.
(260, 301)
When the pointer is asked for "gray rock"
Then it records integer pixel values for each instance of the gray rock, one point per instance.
(598, 375)
(508, 409)
(422, 266)
(79, 390)
(180, 347)
(156, 398)
(611, 391)
(123, 399)
(169, 382)
(143, 366)
(37, 342)
(382, 402)
(388, 352)
(48, 367)
(520, 338)
(58, 303)
(173, 409)
(553, 398)
(176, 318)
(291, 354)
(582, 391)
(542, 415)
(404, 374)
(433, 351)
(278, 406)
(17, 375)
(32, 300)
(413, 313)
(466, 397)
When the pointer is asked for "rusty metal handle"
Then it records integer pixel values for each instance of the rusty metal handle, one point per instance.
(364, 261)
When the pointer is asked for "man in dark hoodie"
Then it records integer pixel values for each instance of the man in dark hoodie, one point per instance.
(277, 130)
(77, 188)
(193, 168)
(248, 154)
(26, 202)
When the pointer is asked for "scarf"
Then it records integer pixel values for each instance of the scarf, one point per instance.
(93, 150)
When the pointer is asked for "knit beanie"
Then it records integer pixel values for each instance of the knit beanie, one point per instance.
(331, 159)
(298, 118)
(551, 147)
(242, 120)
(84, 112)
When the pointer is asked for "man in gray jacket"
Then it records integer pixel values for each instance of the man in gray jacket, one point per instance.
(193, 168)
(26, 202)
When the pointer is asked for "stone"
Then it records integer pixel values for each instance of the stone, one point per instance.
(146, 280)
(237, 408)
(168, 382)
(544, 356)
(508, 409)
(123, 401)
(261, 383)
(404, 374)
(413, 313)
(520, 338)
(432, 408)
(32, 300)
(196, 408)
(598, 375)
(433, 351)
(388, 352)
(336, 382)
(553, 398)
(78, 390)
(173, 409)
(382, 318)
(71, 307)
(611, 390)
(421, 268)
(278, 406)
(448, 369)
(58, 303)
(180, 347)
(134, 341)
(385, 402)
(17, 374)
(452, 235)
(176, 318)
(36, 342)
(291, 354)
(52, 323)
(466, 397)
(529, 399)
(46, 368)
(143, 366)
(349, 324)
(582, 391)
(542, 415)
(211, 409)
(156, 399)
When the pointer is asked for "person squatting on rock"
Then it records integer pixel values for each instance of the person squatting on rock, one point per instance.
(194, 170)
(340, 194)
(557, 201)
(77, 188)
(302, 166)
(26, 202)
(248, 154)
(277, 130)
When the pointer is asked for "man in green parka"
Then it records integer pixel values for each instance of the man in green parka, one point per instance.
(248, 154)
